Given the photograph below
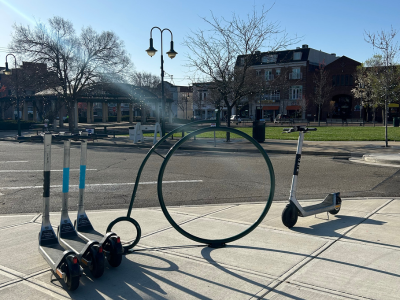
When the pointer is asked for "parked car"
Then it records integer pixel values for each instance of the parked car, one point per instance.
(283, 119)
(235, 119)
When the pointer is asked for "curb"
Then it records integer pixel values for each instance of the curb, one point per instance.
(212, 149)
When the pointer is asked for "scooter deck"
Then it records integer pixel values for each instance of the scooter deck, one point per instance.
(326, 205)
(91, 235)
(54, 252)
(73, 241)
(317, 206)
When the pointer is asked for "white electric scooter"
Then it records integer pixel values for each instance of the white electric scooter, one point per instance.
(293, 209)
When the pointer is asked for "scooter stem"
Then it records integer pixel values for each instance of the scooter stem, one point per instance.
(65, 185)
(292, 196)
(82, 178)
(46, 184)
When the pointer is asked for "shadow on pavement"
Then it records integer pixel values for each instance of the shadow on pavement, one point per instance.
(330, 228)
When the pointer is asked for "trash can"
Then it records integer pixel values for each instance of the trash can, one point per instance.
(131, 133)
(259, 131)
(396, 122)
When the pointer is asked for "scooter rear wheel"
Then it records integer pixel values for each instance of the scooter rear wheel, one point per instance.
(290, 215)
(72, 282)
(336, 210)
(97, 266)
(114, 258)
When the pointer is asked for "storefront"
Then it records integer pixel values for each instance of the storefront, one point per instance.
(268, 112)
(294, 111)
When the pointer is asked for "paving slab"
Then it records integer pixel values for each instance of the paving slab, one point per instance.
(157, 275)
(393, 208)
(290, 291)
(199, 210)
(354, 268)
(24, 290)
(10, 220)
(20, 252)
(352, 213)
(264, 250)
(6, 277)
(380, 229)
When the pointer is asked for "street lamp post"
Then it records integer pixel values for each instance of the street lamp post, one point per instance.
(171, 54)
(186, 101)
(7, 71)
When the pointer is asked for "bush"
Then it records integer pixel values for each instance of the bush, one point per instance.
(180, 121)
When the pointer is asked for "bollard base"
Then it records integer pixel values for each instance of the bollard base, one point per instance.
(217, 245)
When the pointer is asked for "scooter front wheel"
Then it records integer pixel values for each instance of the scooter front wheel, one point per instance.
(290, 215)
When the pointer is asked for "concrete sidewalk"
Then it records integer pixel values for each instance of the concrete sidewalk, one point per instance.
(353, 255)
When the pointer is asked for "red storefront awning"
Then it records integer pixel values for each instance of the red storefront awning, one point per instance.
(271, 107)
(293, 107)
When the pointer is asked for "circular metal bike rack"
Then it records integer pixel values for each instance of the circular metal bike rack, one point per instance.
(211, 243)
(219, 242)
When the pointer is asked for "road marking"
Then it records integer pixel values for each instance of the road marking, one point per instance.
(14, 161)
(95, 184)
(1, 194)
(32, 171)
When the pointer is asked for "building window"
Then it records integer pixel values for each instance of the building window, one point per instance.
(346, 79)
(296, 92)
(269, 58)
(296, 74)
(242, 61)
(334, 80)
(268, 75)
(297, 55)
(272, 95)
(351, 80)
(258, 72)
(342, 80)
(278, 72)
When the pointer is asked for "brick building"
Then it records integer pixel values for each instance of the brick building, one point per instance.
(289, 77)
(27, 79)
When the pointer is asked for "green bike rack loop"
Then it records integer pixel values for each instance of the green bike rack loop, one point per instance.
(211, 243)
(220, 242)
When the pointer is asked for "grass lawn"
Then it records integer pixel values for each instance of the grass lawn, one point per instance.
(325, 133)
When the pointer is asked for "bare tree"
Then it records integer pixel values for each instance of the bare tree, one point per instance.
(224, 54)
(385, 43)
(384, 85)
(150, 82)
(363, 90)
(32, 77)
(79, 61)
(183, 99)
(146, 80)
(323, 88)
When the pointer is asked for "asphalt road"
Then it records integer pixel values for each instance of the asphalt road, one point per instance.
(190, 178)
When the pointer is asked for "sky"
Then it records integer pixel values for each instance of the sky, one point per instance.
(331, 26)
